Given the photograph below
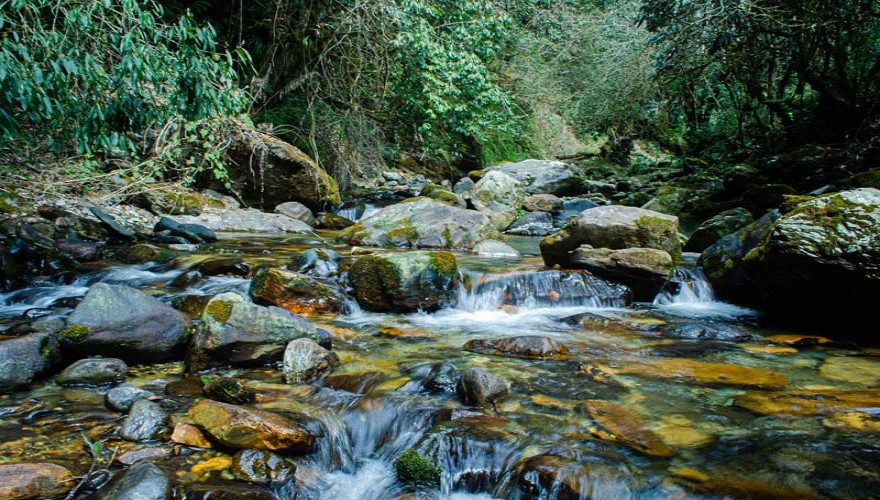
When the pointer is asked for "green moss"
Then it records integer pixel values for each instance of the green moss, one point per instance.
(375, 279)
(406, 232)
(870, 179)
(229, 390)
(75, 332)
(219, 310)
(476, 175)
(791, 201)
(444, 263)
(416, 469)
(10, 203)
(447, 237)
(333, 198)
(650, 226)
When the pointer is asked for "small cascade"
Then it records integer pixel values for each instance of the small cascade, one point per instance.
(358, 212)
(687, 286)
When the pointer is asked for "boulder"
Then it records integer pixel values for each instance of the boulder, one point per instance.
(190, 435)
(143, 481)
(532, 224)
(224, 266)
(294, 292)
(543, 203)
(670, 200)
(121, 398)
(116, 320)
(318, 262)
(82, 251)
(237, 332)
(615, 227)
(477, 387)
(116, 229)
(332, 222)
(295, 210)
(572, 208)
(443, 195)
(257, 466)
(464, 185)
(526, 346)
(94, 371)
(22, 359)
(71, 226)
(232, 220)
(421, 223)
(404, 282)
(229, 390)
(643, 270)
(304, 360)
(494, 248)
(717, 227)
(498, 196)
(240, 428)
(34, 480)
(141, 253)
(545, 176)
(145, 422)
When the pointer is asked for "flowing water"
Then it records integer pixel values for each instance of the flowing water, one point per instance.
(718, 433)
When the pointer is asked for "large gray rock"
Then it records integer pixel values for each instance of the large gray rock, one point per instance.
(237, 332)
(93, 371)
(120, 321)
(145, 422)
(499, 196)
(421, 223)
(543, 203)
(404, 282)
(23, 359)
(143, 481)
(643, 270)
(245, 221)
(532, 224)
(545, 176)
(615, 227)
(304, 360)
(123, 397)
(717, 227)
(493, 248)
(296, 210)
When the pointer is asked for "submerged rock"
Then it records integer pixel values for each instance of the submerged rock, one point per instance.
(229, 390)
(294, 292)
(421, 223)
(551, 476)
(809, 402)
(625, 426)
(318, 262)
(145, 422)
(404, 282)
(257, 466)
(477, 387)
(143, 481)
(717, 227)
(643, 270)
(122, 398)
(239, 428)
(296, 210)
(532, 224)
(526, 346)
(304, 360)
(94, 371)
(116, 320)
(23, 359)
(499, 197)
(34, 480)
(699, 372)
(190, 435)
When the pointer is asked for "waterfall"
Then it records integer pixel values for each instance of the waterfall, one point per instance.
(688, 286)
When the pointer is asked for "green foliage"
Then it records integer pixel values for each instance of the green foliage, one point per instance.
(414, 468)
(99, 74)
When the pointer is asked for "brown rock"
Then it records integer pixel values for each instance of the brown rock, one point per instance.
(525, 346)
(244, 428)
(699, 372)
(627, 427)
(809, 402)
(189, 435)
(34, 480)
(542, 203)
(148, 453)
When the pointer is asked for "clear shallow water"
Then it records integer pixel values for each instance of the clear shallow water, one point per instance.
(539, 442)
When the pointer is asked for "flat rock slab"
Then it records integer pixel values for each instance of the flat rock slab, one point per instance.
(699, 372)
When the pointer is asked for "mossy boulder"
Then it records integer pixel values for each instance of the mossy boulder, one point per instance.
(714, 229)
(421, 223)
(415, 469)
(141, 253)
(332, 222)
(443, 195)
(615, 227)
(294, 292)
(499, 196)
(869, 179)
(171, 199)
(405, 282)
(670, 200)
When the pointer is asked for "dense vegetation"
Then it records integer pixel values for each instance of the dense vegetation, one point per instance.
(361, 84)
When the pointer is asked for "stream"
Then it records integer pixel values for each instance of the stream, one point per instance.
(655, 361)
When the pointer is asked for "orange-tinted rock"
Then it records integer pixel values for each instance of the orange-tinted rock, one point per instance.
(699, 372)
(733, 487)
(240, 427)
(18, 481)
(189, 435)
(854, 370)
(627, 427)
(797, 340)
(855, 421)
(808, 402)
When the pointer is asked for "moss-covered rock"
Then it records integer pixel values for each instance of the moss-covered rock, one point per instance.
(294, 292)
(141, 253)
(10, 203)
(415, 469)
(172, 199)
(443, 195)
(670, 200)
(714, 229)
(404, 282)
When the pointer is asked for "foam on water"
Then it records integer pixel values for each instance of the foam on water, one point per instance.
(694, 298)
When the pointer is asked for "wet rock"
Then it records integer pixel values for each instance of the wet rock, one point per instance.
(717, 227)
(146, 453)
(532, 224)
(121, 398)
(23, 359)
(809, 402)
(296, 210)
(257, 466)
(526, 346)
(623, 425)
(141, 253)
(71, 226)
(186, 387)
(443, 195)
(185, 280)
(171, 199)
(168, 230)
(615, 227)
(543, 203)
(643, 270)
(318, 262)
(356, 383)
(82, 251)
(862, 371)
(34, 480)
(707, 332)
(229, 390)
(191, 305)
(421, 223)
(237, 332)
(332, 222)
(190, 435)
(442, 378)
(227, 491)
(304, 360)
(698, 372)
(94, 371)
(229, 266)
(404, 282)
(493, 248)
(498, 196)
(113, 316)
(145, 422)
(545, 176)
(550, 476)
(552, 288)
(143, 481)
(244, 428)
(115, 228)
(245, 221)
(477, 387)
(294, 292)
(727, 486)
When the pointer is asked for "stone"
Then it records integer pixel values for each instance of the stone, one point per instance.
(421, 223)
(143, 481)
(257, 466)
(225, 266)
(545, 176)
(670, 200)
(443, 195)
(304, 360)
(543, 203)
(532, 224)
(123, 397)
(250, 220)
(404, 282)
(572, 207)
(717, 227)
(239, 333)
(413, 468)
(229, 390)
(525, 346)
(478, 387)
(239, 428)
(93, 371)
(863, 372)
(227, 491)
(147, 453)
(81, 228)
(171, 199)
(627, 427)
(332, 222)
(698, 372)
(115, 228)
(570, 479)
(141, 253)
(294, 292)
(190, 435)
(23, 359)
(615, 227)
(295, 210)
(498, 196)
(34, 480)
(643, 270)
(464, 185)
(114, 316)
(145, 422)
(809, 402)
(82, 251)
(494, 248)
(318, 262)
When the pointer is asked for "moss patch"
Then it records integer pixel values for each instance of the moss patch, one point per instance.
(407, 232)
(75, 332)
(415, 469)
(652, 227)
(376, 280)
(219, 310)
(444, 263)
